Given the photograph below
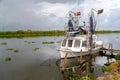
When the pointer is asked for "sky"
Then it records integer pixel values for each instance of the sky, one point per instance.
(50, 14)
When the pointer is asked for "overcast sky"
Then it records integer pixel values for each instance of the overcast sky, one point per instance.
(50, 14)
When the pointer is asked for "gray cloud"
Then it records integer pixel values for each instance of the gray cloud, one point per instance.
(48, 14)
(59, 1)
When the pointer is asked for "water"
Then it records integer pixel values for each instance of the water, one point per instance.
(28, 64)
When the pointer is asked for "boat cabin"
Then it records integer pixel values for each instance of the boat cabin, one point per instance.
(74, 44)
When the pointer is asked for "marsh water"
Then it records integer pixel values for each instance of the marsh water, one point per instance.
(34, 60)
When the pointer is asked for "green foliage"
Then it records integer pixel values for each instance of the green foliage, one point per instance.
(91, 76)
(85, 78)
(117, 57)
(8, 59)
(103, 68)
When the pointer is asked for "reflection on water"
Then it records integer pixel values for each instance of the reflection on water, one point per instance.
(75, 69)
(28, 64)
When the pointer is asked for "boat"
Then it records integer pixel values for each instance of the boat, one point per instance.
(80, 38)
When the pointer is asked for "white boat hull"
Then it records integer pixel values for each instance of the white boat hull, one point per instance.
(71, 54)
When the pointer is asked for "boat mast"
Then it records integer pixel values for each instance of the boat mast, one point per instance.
(91, 28)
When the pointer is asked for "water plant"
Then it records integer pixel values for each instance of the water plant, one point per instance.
(3, 43)
(8, 59)
(35, 49)
(16, 50)
(33, 42)
(48, 42)
(10, 49)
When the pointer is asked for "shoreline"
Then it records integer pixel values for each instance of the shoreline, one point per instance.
(39, 33)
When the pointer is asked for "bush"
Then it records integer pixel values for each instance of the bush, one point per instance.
(103, 68)
(117, 57)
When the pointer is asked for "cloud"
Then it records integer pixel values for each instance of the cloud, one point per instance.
(50, 14)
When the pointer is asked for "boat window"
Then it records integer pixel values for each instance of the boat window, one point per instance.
(83, 43)
(70, 43)
(64, 43)
(77, 44)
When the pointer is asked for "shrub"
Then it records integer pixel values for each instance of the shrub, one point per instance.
(103, 68)
(117, 57)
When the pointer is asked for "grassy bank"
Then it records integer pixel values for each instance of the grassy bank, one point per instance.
(107, 31)
(33, 33)
(30, 33)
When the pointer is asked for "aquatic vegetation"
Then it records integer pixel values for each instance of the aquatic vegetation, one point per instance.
(29, 42)
(4, 43)
(16, 50)
(48, 42)
(10, 49)
(33, 42)
(117, 57)
(35, 49)
(8, 59)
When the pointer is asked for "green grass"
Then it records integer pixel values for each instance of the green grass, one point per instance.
(30, 33)
(8, 59)
(90, 76)
(37, 33)
(48, 42)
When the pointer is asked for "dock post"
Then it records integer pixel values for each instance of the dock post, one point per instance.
(87, 68)
(65, 61)
(81, 57)
(110, 50)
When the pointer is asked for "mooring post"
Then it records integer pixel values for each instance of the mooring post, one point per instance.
(64, 76)
(109, 50)
(65, 61)
(81, 57)
(87, 68)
